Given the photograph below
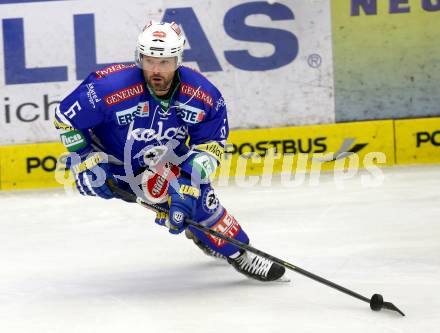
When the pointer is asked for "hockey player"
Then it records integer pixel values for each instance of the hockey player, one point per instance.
(166, 123)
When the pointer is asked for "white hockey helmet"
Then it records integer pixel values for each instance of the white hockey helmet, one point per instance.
(161, 40)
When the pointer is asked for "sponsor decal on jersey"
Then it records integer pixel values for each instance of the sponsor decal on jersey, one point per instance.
(155, 183)
(220, 103)
(149, 134)
(125, 117)
(189, 190)
(62, 126)
(204, 164)
(99, 74)
(196, 93)
(144, 109)
(73, 140)
(189, 113)
(91, 94)
(227, 226)
(212, 148)
(89, 163)
(210, 201)
(124, 94)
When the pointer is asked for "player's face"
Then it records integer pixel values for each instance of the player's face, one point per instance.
(159, 73)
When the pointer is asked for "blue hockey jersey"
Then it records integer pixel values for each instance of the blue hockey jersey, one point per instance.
(114, 111)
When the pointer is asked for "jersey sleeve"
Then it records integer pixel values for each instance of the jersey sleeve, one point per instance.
(76, 114)
(79, 112)
(207, 142)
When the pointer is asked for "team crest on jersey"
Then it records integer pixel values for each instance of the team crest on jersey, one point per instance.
(210, 201)
(164, 113)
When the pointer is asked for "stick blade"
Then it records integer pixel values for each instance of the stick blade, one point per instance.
(392, 307)
(377, 304)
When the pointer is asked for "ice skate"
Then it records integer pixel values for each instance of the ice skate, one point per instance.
(206, 250)
(256, 267)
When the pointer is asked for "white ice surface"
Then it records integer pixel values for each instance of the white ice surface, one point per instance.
(75, 264)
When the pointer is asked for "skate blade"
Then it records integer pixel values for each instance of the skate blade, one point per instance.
(282, 279)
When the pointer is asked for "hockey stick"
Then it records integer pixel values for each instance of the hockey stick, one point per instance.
(376, 302)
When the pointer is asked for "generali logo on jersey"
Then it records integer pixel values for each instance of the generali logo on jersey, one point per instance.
(124, 94)
(197, 93)
(112, 69)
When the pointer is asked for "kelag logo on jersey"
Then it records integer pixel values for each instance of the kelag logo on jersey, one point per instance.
(162, 133)
(17, 31)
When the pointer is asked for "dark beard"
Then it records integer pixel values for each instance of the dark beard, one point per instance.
(160, 87)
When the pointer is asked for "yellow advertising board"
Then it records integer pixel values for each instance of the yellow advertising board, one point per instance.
(249, 152)
(417, 141)
(30, 165)
(306, 148)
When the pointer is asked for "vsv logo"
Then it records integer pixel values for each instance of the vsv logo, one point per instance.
(284, 42)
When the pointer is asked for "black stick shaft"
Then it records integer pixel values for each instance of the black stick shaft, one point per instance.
(243, 246)
(277, 260)
(374, 304)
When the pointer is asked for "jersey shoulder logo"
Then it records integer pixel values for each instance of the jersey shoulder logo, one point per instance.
(124, 94)
(197, 93)
(101, 73)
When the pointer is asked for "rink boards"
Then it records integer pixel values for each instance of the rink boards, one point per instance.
(287, 150)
